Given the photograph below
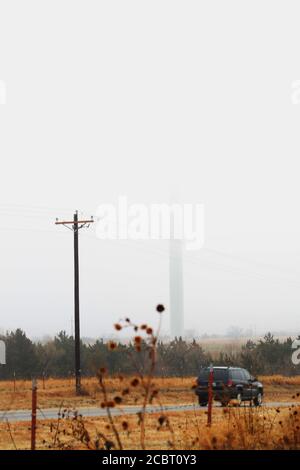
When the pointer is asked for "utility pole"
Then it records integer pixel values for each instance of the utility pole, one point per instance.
(33, 414)
(75, 225)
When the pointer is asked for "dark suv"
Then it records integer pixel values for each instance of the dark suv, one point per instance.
(229, 383)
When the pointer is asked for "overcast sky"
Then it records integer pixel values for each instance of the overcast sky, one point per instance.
(110, 98)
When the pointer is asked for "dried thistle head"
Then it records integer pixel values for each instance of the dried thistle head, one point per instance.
(160, 308)
(135, 382)
(125, 425)
(112, 345)
(161, 420)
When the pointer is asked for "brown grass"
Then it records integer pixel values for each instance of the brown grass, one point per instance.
(281, 380)
(173, 390)
(231, 429)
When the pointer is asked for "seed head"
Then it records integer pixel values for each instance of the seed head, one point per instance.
(160, 308)
(135, 382)
(125, 425)
(161, 420)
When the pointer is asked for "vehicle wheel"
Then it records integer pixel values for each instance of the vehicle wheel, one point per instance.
(258, 399)
(202, 403)
(239, 399)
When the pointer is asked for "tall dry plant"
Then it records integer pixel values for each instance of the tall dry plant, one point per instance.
(143, 358)
(145, 343)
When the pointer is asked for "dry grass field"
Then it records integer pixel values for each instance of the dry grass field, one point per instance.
(232, 428)
(173, 390)
(237, 428)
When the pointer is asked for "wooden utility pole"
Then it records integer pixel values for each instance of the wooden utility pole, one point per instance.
(210, 395)
(33, 413)
(75, 225)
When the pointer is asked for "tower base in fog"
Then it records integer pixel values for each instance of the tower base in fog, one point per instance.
(176, 289)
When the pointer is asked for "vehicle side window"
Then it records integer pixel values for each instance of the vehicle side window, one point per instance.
(246, 374)
(235, 375)
(239, 374)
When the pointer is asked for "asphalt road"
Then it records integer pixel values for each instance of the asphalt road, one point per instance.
(52, 413)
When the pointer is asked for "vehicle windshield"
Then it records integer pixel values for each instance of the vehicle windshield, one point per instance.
(219, 374)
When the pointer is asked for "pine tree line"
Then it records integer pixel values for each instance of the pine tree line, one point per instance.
(26, 359)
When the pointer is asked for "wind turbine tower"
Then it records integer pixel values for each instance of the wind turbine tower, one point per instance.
(176, 284)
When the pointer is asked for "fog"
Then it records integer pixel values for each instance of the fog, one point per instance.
(110, 98)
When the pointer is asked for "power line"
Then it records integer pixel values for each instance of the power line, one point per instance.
(42, 212)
